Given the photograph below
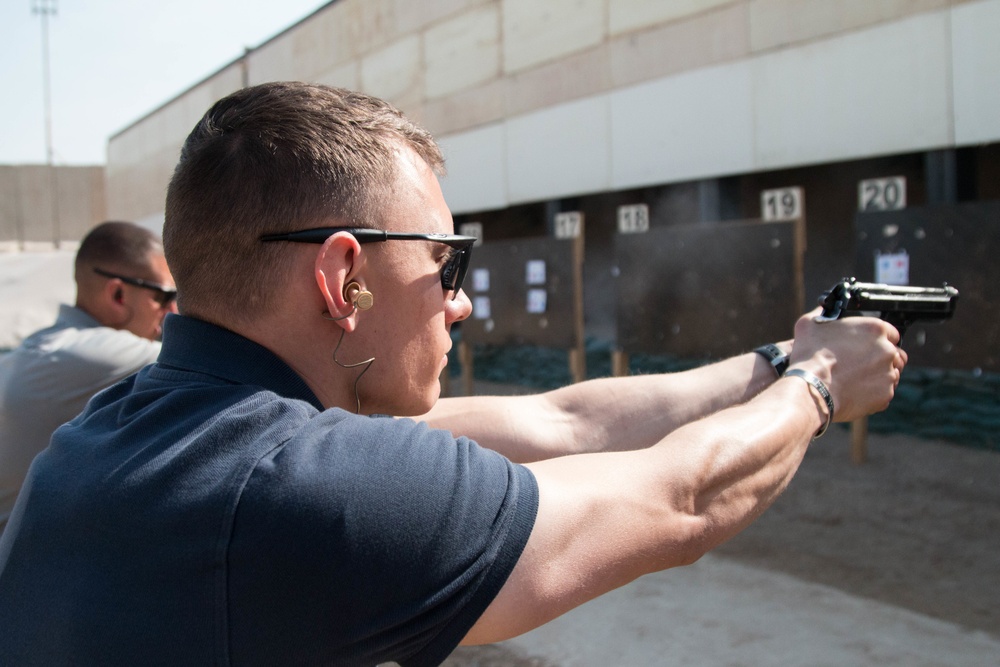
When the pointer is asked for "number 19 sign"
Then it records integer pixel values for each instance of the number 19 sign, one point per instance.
(781, 204)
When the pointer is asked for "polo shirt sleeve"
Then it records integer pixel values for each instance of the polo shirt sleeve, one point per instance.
(389, 538)
(58, 374)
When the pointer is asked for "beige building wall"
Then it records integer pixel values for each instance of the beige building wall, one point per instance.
(141, 158)
(42, 206)
(564, 89)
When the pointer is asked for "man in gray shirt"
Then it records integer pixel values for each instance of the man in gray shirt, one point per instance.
(124, 290)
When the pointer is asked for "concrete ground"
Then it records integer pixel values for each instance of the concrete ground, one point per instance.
(720, 612)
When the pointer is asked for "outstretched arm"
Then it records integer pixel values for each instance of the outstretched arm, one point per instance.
(605, 519)
(609, 414)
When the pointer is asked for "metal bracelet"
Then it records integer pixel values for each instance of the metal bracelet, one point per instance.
(821, 387)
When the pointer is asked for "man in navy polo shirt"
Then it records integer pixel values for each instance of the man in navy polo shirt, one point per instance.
(246, 500)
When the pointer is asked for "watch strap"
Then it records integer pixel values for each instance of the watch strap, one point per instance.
(775, 357)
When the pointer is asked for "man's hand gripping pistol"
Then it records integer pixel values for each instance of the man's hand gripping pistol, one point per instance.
(899, 306)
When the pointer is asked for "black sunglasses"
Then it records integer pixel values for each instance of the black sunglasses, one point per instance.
(163, 295)
(452, 273)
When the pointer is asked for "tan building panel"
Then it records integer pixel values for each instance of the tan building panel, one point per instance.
(580, 75)
(142, 158)
(709, 38)
(276, 60)
(393, 72)
(539, 32)
(776, 23)
(467, 109)
(347, 75)
(412, 16)
(42, 205)
(632, 15)
(462, 52)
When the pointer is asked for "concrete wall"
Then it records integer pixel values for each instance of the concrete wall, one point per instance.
(539, 100)
(40, 205)
(32, 285)
(142, 158)
(888, 88)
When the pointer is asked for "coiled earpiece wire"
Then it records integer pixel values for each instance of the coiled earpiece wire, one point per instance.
(367, 363)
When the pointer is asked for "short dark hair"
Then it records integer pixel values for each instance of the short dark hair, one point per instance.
(117, 246)
(275, 157)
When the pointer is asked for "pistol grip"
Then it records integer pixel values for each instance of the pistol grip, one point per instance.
(899, 321)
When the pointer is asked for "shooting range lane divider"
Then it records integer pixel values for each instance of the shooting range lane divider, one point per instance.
(706, 290)
(526, 291)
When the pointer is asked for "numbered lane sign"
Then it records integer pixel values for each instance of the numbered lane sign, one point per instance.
(633, 219)
(882, 194)
(568, 225)
(472, 229)
(781, 204)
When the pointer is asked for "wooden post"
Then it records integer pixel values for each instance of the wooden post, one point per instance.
(577, 365)
(465, 356)
(578, 356)
(859, 441)
(445, 380)
(619, 363)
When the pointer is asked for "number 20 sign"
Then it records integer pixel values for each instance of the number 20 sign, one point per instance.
(882, 194)
(781, 204)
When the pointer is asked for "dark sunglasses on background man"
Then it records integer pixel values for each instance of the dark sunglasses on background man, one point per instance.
(163, 295)
(452, 273)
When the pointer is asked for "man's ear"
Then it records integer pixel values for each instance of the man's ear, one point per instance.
(338, 261)
(115, 312)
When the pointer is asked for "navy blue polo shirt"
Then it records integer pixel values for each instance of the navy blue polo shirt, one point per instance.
(207, 510)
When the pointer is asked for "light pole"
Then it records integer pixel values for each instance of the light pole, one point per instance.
(46, 8)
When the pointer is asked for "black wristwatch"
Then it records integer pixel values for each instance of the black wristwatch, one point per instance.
(775, 357)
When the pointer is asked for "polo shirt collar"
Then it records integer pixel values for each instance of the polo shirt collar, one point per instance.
(199, 346)
(75, 318)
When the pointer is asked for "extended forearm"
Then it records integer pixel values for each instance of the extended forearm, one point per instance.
(621, 414)
(609, 414)
(741, 459)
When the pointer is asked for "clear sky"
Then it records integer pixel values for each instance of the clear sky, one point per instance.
(114, 61)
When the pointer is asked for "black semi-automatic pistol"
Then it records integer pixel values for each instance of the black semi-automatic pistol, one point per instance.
(898, 305)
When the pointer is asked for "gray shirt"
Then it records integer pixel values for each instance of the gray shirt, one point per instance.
(48, 380)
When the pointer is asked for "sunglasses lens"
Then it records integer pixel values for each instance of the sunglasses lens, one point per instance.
(463, 267)
(454, 271)
(165, 298)
(449, 274)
